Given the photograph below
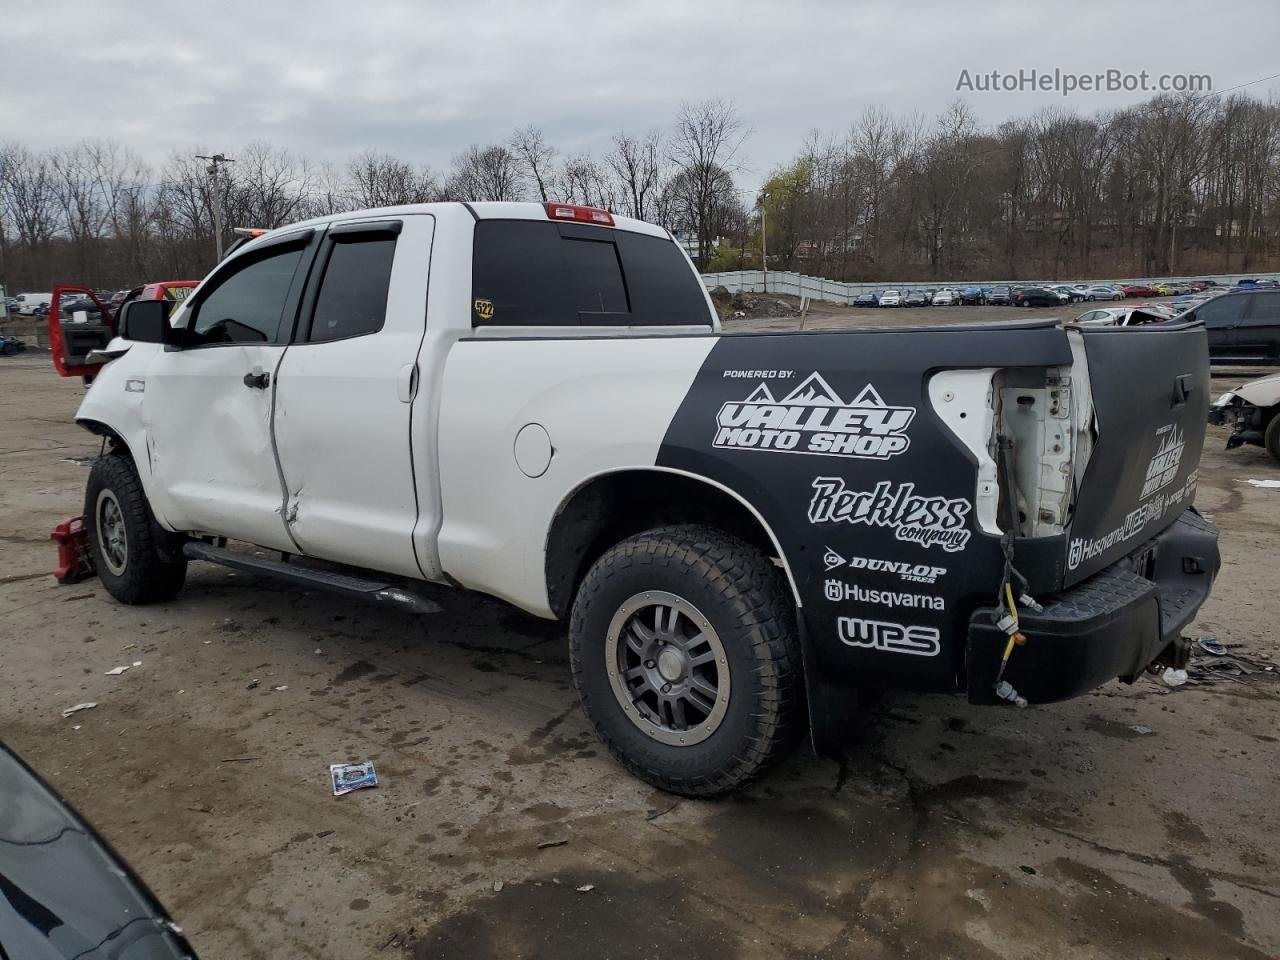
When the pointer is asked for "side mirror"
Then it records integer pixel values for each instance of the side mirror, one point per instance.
(147, 321)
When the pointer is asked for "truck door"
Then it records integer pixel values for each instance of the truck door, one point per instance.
(207, 405)
(345, 395)
(1220, 317)
(1258, 333)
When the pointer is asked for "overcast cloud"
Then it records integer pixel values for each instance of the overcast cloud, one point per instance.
(423, 80)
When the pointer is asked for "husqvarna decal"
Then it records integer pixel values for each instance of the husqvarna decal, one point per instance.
(812, 418)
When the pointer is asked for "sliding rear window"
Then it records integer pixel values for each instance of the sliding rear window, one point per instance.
(533, 273)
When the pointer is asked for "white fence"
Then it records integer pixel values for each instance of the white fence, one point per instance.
(833, 291)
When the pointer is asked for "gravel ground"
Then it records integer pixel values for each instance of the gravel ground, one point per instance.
(1136, 822)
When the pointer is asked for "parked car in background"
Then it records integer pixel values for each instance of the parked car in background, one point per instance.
(946, 297)
(1102, 291)
(1071, 293)
(1243, 325)
(891, 298)
(869, 299)
(1138, 290)
(1124, 316)
(1000, 296)
(30, 303)
(11, 346)
(70, 307)
(1253, 411)
(1037, 297)
(976, 296)
(915, 298)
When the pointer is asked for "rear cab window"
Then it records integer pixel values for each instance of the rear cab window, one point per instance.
(549, 274)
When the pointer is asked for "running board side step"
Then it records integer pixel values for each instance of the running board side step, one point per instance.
(308, 577)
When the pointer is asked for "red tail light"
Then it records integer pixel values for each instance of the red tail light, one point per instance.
(571, 211)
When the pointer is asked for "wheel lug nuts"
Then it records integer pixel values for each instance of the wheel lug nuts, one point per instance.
(666, 688)
(650, 664)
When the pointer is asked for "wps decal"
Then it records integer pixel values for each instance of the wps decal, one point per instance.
(813, 418)
(889, 637)
(837, 590)
(911, 572)
(1165, 461)
(928, 521)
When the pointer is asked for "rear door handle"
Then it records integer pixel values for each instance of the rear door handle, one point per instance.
(1181, 389)
(257, 380)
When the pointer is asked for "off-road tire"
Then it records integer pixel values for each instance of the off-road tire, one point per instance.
(1271, 436)
(745, 599)
(154, 568)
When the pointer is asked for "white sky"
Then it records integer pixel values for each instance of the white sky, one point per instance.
(423, 80)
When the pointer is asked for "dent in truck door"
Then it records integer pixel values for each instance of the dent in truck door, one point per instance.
(207, 407)
(345, 395)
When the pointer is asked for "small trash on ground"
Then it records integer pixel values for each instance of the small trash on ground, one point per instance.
(1211, 645)
(586, 888)
(238, 759)
(1268, 484)
(251, 685)
(1141, 729)
(1173, 678)
(78, 707)
(548, 844)
(116, 671)
(283, 686)
(352, 776)
(497, 886)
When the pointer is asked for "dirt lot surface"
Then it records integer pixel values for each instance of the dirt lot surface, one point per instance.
(1137, 822)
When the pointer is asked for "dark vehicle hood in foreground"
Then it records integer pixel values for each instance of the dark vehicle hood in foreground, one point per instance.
(64, 892)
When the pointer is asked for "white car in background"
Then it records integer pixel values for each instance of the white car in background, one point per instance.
(1124, 316)
(945, 298)
(891, 298)
(1101, 291)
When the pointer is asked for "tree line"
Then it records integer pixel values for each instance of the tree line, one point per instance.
(1177, 185)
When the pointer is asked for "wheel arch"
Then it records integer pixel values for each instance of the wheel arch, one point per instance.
(612, 505)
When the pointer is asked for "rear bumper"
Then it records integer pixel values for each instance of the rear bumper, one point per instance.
(1112, 625)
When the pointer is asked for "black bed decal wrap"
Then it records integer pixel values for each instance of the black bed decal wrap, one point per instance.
(832, 439)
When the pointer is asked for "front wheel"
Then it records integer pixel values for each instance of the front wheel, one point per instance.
(684, 654)
(136, 559)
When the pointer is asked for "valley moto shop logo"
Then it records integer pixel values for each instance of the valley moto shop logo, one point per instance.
(1165, 462)
(814, 419)
(928, 521)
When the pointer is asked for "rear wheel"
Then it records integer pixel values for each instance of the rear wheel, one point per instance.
(136, 559)
(1271, 436)
(684, 654)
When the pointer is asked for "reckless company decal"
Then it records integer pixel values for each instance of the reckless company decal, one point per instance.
(928, 521)
(911, 572)
(813, 419)
(1134, 523)
(1165, 461)
(484, 309)
(839, 590)
(889, 637)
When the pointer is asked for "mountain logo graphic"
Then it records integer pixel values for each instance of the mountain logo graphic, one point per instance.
(814, 419)
(1165, 462)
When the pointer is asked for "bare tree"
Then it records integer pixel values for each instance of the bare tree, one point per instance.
(485, 173)
(637, 165)
(704, 148)
(536, 155)
(380, 180)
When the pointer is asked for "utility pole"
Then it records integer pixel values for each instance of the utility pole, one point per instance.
(764, 242)
(215, 196)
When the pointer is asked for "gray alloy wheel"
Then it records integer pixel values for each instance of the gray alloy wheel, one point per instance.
(667, 668)
(112, 537)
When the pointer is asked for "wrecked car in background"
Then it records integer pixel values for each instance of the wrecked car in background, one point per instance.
(537, 402)
(1253, 412)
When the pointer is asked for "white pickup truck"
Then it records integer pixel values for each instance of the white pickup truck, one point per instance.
(742, 531)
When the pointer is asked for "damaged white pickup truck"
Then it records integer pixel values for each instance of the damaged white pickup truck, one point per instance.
(536, 401)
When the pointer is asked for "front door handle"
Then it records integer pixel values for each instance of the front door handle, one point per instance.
(258, 380)
(407, 382)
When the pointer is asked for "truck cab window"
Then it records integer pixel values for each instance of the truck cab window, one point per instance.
(352, 301)
(247, 304)
(1222, 311)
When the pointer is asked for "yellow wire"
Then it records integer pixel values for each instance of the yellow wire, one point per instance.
(1013, 609)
